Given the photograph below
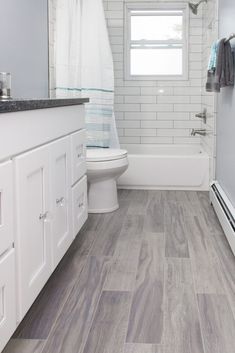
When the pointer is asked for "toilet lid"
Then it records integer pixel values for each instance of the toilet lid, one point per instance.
(104, 154)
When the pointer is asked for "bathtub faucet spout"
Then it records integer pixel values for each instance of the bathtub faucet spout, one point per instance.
(201, 132)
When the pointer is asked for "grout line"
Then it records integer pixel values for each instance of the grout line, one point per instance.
(198, 311)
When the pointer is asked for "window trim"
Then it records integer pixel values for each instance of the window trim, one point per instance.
(129, 6)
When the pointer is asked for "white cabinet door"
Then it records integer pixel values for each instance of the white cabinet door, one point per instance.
(79, 205)
(61, 198)
(6, 206)
(7, 297)
(78, 152)
(33, 241)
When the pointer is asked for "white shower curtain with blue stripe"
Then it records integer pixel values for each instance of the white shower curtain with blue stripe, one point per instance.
(67, 49)
(84, 65)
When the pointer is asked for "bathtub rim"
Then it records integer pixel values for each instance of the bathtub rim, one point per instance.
(196, 150)
(197, 153)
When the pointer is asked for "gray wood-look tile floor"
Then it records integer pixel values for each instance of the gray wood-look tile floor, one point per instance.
(156, 276)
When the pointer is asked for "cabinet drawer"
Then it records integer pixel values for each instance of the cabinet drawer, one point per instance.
(79, 205)
(7, 297)
(78, 151)
(6, 206)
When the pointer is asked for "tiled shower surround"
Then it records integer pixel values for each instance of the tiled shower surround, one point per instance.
(160, 112)
(152, 112)
(155, 111)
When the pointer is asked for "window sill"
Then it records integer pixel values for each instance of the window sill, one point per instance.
(157, 77)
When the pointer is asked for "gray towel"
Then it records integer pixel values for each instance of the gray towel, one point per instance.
(212, 84)
(223, 75)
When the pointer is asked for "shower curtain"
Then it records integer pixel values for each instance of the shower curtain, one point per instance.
(84, 66)
(97, 76)
(68, 48)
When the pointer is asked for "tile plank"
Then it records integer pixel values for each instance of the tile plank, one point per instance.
(43, 313)
(93, 222)
(138, 202)
(227, 263)
(109, 232)
(124, 263)
(182, 326)
(126, 255)
(109, 326)
(209, 214)
(146, 317)
(72, 326)
(120, 278)
(24, 346)
(218, 325)
(175, 231)
(83, 242)
(180, 196)
(143, 348)
(154, 218)
(132, 227)
(125, 194)
(220, 245)
(205, 263)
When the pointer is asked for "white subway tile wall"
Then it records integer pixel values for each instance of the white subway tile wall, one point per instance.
(210, 34)
(155, 112)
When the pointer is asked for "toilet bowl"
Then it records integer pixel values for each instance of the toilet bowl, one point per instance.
(104, 166)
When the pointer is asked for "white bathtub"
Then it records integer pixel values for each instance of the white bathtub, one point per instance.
(178, 167)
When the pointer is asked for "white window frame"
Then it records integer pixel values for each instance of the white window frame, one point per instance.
(130, 6)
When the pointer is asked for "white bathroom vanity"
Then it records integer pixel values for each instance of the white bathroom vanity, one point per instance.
(43, 197)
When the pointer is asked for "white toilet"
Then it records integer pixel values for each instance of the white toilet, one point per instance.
(104, 166)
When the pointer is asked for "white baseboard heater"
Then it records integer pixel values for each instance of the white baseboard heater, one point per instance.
(225, 212)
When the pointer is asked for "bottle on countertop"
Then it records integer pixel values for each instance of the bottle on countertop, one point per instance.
(5, 86)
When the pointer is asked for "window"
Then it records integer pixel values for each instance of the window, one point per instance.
(155, 43)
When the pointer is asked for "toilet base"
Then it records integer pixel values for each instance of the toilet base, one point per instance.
(102, 196)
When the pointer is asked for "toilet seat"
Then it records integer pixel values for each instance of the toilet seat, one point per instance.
(104, 154)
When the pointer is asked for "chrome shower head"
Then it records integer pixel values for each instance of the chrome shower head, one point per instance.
(194, 7)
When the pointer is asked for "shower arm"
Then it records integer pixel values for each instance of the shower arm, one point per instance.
(201, 2)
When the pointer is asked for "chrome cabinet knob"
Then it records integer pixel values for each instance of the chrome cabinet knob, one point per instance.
(60, 201)
(43, 216)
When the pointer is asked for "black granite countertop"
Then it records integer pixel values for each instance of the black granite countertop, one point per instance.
(17, 105)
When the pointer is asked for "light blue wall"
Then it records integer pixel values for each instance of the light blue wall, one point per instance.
(225, 170)
(24, 46)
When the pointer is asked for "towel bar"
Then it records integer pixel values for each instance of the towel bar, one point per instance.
(232, 35)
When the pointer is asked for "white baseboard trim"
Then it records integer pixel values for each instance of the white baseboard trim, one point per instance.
(221, 214)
